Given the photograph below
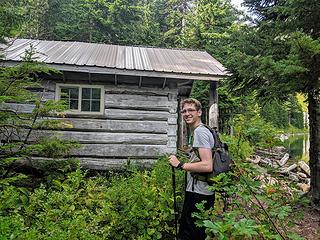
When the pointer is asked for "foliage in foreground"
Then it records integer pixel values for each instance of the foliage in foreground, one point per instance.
(138, 206)
(256, 209)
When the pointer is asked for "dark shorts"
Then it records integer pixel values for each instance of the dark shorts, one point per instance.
(188, 230)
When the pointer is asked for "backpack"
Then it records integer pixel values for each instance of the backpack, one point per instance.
(222, 161)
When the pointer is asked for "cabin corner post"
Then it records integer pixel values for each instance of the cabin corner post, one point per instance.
(182, 127)
(213, 105)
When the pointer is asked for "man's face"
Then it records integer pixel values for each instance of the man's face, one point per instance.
(190, 114)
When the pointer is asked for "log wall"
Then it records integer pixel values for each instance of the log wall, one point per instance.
(139, 124)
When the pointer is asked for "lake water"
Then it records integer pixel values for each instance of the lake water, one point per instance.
(298, 146)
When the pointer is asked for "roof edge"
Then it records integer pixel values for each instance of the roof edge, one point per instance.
(144, 73)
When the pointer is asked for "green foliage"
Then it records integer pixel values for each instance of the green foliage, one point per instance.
(255, 210)
(200, 91)
(138, 206)
(50, 147)
(277, 57)
(11, 15)
(275, 113)
(208, 25)
(20, 138)
(238, 147)
(150, 22)
(274, 56)
(285, 114)
(145, 212)
(22, 18)
(255, 130)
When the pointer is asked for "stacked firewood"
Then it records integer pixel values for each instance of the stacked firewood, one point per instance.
(280, 161)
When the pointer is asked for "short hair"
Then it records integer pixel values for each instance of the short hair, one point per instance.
(192, 101)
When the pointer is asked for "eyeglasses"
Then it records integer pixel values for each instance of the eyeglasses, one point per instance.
(190, 110)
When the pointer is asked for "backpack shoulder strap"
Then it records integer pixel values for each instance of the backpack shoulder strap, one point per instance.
(216, 138)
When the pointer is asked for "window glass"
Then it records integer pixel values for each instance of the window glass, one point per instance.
(85, 105)
(65, 93)
(71, 96)
(73, 104)
(96, 93)
(74, 93)
(90, 98)
(86, 93)
(95, 107)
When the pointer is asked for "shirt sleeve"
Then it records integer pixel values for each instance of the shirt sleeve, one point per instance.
(202, 138)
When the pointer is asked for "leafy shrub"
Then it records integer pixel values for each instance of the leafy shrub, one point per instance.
(255, 210)
(254, 129)
(136, 206)
(238, 148)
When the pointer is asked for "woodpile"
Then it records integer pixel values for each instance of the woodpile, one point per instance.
(279, 160)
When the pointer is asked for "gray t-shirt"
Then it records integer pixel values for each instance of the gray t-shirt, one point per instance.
(202, 138)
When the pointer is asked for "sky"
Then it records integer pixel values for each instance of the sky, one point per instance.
(236, 2)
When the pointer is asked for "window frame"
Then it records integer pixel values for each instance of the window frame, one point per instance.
(80, 86)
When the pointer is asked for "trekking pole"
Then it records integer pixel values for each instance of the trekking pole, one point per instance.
(174, 202)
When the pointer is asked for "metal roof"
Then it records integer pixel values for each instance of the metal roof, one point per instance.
(176, 62)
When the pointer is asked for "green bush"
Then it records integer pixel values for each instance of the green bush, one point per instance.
(133, 206)
(255, 130)
(255, 210)
(238, 148)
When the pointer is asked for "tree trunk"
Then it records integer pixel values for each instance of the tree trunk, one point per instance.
(314, 162)
(213, 105)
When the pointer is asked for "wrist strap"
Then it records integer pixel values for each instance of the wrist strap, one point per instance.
(180, 165)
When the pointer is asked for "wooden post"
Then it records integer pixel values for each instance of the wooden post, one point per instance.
(182, 127)
(213, 105)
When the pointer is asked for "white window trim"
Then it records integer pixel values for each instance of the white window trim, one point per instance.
(80, 86)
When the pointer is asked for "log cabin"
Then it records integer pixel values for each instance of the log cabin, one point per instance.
(123, 100)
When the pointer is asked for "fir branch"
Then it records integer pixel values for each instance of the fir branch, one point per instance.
(7, 88)
(14, 112)
(38, 106)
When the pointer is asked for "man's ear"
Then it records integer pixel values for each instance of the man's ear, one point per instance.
(199, 113)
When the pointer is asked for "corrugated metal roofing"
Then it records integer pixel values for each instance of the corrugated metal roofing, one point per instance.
(118, 57)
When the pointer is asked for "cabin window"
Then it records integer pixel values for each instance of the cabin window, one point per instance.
(86, 99)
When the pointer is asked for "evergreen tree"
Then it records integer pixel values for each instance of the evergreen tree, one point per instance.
(279, 55)
(17, 85)
(209, 25)
(11, 15)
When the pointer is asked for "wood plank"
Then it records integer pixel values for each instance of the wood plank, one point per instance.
(139, 102)
(120, 114)
(18, 107)
(94, 163)
(46, 95)
(173, 120)
(137, 114)
(172, 130)
(172, 142)
(94, 137)
(146, 91)
(122, 150)
(104, 164)
(109, 125)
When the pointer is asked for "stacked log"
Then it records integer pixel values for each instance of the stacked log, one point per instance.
(279, 160)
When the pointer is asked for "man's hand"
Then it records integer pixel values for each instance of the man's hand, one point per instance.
(173, 160)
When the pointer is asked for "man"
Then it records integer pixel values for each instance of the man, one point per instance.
(196, 190)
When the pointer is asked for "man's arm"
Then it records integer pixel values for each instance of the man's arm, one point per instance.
(205, 165)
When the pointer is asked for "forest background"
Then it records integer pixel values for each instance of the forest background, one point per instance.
(273, 55)
(213, 26)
